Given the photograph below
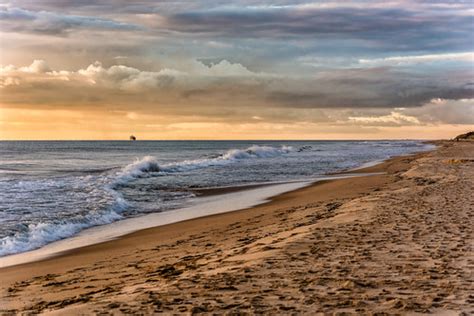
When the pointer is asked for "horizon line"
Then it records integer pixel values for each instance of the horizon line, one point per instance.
(218, 140)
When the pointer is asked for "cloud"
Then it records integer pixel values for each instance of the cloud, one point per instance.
(38, 66)
(397, 27)
(193, 78)
(129, 78)
(45, 22)
(265, 35)
(394, 118)
(370, 88)
(433, 113)
(221, 86)
(396, 60)
(437, 111)
(94, 6)
(351, 62)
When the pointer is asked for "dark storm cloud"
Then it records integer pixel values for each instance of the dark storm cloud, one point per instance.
(358, 27)
(135, 6)
(395, 28)
(370, 88)
(90, 6)
(389, 98)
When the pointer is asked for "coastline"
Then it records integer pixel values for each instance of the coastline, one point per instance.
(209, 202)
(222, 246)
(47, 243)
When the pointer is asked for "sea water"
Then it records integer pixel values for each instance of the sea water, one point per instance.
(51, 190)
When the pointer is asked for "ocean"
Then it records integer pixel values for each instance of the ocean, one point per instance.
(51, 190)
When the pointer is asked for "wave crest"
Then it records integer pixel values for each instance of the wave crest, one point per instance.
(256, 152)
(34, 236)
(149, 164)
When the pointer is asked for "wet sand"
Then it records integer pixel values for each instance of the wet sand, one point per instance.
(398, 242)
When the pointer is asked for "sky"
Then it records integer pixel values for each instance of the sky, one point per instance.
(182, 69)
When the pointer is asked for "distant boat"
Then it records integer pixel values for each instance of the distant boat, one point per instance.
(133, 138)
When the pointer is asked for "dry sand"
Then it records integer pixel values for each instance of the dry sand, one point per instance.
(400, 242)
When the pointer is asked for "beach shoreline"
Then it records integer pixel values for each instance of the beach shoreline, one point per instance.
(230, 255)
(209, 202)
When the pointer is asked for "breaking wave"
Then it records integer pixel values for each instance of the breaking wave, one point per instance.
(34, 236)
(149, 164)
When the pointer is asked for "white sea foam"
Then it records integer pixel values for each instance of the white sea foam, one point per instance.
(35, 235)
(40, 234)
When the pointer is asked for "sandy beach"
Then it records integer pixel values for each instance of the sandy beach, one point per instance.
(396, 242)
